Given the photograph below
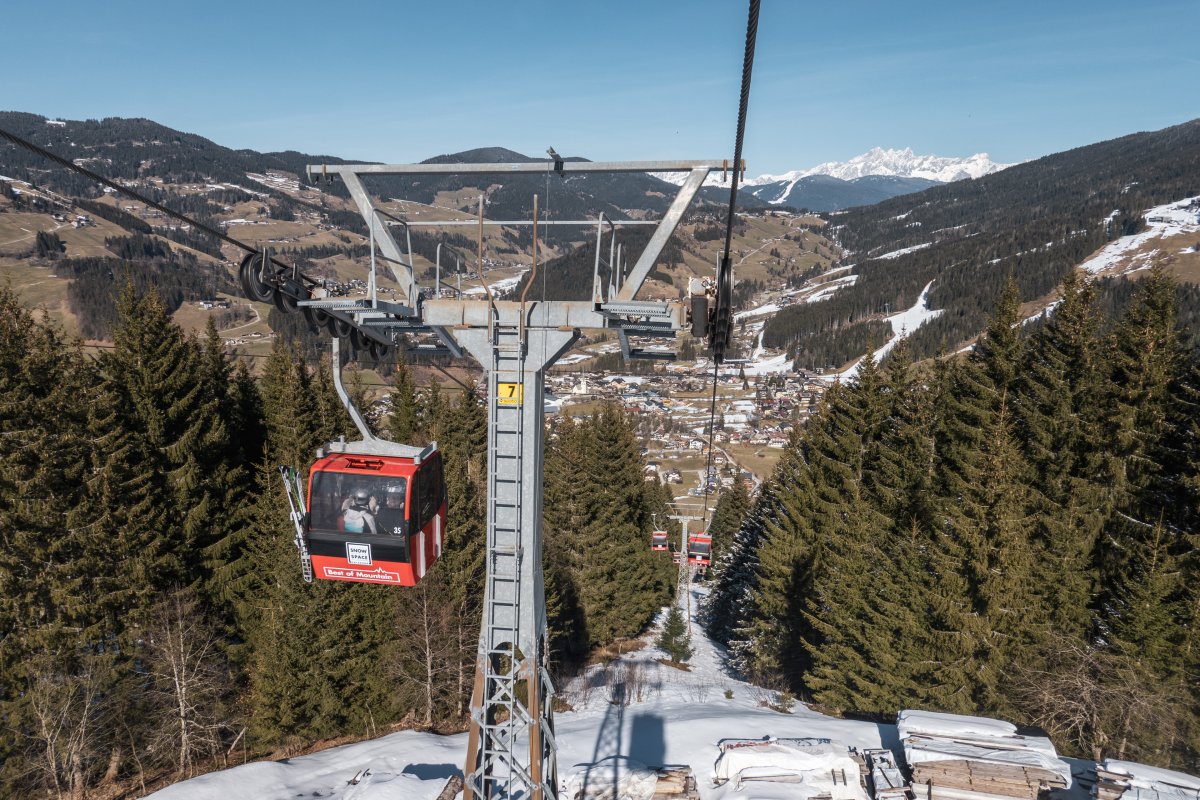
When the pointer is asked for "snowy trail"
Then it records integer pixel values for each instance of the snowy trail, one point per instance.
(673, 717)
(903, 324)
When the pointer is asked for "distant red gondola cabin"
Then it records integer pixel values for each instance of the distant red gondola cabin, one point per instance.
(699, 549)
(658, 541)
(378, 516)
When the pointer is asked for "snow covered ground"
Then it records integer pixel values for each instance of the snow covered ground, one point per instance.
(769, 308)
(502, 285)
(901, 252)
(903, 324)
(673, 717)
(1171, 219)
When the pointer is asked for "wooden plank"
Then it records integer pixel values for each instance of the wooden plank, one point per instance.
(676, 783)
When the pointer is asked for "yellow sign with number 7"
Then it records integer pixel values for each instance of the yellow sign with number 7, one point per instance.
(509, 394)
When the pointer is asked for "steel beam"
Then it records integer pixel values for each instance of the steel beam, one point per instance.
(316, 171)
(457, 314)
(518, 223)
(382, 235)
(659, 240)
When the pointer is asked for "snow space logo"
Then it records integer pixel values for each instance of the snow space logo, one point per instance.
(358, 553)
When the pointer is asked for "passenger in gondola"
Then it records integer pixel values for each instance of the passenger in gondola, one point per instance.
(390, 518)
(357, 513)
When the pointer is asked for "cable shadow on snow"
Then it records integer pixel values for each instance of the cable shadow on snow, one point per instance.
(608, 739)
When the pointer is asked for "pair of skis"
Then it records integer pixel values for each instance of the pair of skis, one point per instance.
(294, 488)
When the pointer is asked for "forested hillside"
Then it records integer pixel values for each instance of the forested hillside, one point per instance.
(154, 619)
(1034, 221)
(135, 149)
(1010, 534)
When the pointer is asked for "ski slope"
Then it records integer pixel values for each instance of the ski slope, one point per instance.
(673, 717)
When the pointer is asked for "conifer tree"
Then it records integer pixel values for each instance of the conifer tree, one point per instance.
(870, 606)
(975, 408)
(564, 514)
(768, 644)
(402, 425)
(50, 621)
(1058, 423)
(616, 559)
(725, 608)
(727, 517)
(673, 639)
(172, 406)
(321, 653)
(597, 527)
(229, 471)
(123, 516)
(1017, 621)
(900, 478)
(442, 618)
(1147, 360)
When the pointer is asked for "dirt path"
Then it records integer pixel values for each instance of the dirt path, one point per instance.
(255, 321)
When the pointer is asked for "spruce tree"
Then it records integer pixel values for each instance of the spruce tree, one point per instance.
(768, 643)
(124, 514)
(53, 625)
(1058, 422)
(442, 617)
(564, 515)
(860, 609)
(321, 653)
(724, 610)
(402, 424)
(616, 560)
(171, 405)
(969, 500)
(673, 639)
(727, 518)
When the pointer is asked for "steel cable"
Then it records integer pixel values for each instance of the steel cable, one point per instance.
(721, 313)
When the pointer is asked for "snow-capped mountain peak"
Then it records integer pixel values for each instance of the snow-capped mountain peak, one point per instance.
(899, 163)
(876, 161)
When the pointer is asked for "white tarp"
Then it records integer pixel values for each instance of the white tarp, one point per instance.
(929, 736)
(810, 766)
(934, 722)
(1154, 783)
(613, 778)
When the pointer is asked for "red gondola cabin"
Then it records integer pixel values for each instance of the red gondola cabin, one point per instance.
(699, 549)
(376, 517)
(658, 541)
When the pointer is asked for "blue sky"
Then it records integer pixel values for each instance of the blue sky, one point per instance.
(616, 80)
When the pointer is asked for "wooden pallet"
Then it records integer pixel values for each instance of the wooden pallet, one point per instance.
(1109, 785)
(982, 777)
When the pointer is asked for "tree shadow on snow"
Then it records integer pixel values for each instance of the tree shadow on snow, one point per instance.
(432, 772)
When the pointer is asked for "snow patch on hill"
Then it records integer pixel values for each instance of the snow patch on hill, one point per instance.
(1172, 219)
(902, 252)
